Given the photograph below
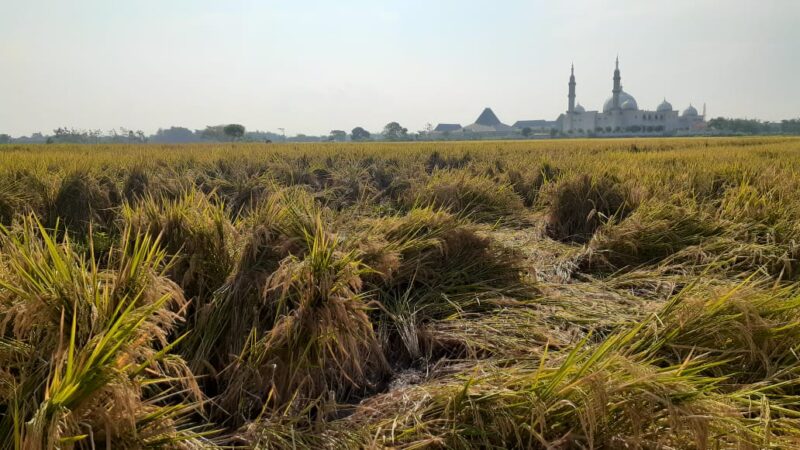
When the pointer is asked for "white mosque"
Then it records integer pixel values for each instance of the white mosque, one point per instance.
(621, 114)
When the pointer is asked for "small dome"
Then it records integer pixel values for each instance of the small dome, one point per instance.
(665, 106)
(579, 108)
(623, 97)
(629, 105)
(690, 111)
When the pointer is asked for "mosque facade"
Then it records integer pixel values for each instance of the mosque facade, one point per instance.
(621, 114)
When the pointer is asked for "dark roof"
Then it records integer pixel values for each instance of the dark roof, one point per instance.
(532, 123)
(488, 118)
(447, 127)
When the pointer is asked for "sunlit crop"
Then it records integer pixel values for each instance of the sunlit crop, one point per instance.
(558, 294)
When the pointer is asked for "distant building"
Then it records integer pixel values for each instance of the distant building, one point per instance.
(621, 114)
(488, 122)
(537, 126)
(486, 125)
(447, 127)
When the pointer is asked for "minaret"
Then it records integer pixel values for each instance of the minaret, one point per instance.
(617, 86)
(571, 104)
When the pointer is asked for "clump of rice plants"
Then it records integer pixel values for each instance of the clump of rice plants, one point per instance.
(322, 342)
(389, 178)
(577, 206)
(430, 265)
(195, 231)
(729, 256)
(441, 255)
(301, 171)
(137, 184)
(592, 397)
(22, 192)
(350, 185)
(750, 334)
(84, 353)
(84, 199)
(649, 235)
(437, 162)
(527, 184)
(242, 195)
(476, 197)
(274, 230)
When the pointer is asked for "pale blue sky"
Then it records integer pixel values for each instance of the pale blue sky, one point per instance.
(313, 66)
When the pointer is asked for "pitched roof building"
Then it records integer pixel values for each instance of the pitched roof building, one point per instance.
(488, 122)
(447, 127)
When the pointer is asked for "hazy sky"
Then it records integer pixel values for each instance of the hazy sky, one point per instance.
(313, 66)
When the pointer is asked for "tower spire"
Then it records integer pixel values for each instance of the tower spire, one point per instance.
(617, 86)
(571, 95)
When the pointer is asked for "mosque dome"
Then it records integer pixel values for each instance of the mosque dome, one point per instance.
(629, 105)
(579, 108)
(624, 97)
(665, 106)
(690, 111)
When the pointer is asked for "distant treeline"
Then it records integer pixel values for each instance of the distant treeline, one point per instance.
(754, 126)
(391, 132)
(217, 133)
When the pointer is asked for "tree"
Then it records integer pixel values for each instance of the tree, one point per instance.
(75, 136)
(234, 131)
(791, 126)
(5, 139)
(337, 135)
(394, 132)
(126, 135)
(174, 135)
(527, 131)
(425, 131)
(360, 134)
(212, 133)
(742, 126)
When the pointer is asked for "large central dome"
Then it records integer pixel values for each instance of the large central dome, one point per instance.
(624, 97)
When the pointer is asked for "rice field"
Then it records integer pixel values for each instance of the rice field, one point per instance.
(595, 294)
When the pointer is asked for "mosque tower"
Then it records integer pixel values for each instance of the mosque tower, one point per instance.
(571, 105)
(617, 86)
